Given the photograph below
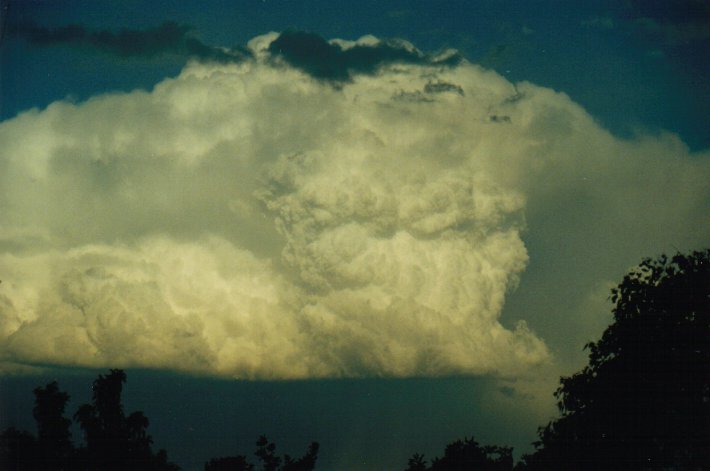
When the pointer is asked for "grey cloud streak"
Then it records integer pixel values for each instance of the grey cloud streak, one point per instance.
(168, 38)
(678, 23)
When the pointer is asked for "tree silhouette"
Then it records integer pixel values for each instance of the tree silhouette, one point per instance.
(643, 402)
(270, 461)
(416, 463)
(305, 463)
(53, 436)
(229, 463)
(115, 442)
(52, 449)
(18, 451)
(466, 455)
(266, 452)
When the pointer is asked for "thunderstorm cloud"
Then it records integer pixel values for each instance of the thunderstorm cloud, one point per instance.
(248, 219)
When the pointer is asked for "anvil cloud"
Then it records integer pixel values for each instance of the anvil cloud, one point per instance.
(258, 220)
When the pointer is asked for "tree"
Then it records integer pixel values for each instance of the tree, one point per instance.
(416, 463)
(266, 452)
(53, 435)
(270, 461)
(115, 442)
(305, 463)
(643, 402)
(52, 450)
(466, 455)
(18, 450)
(229, 463)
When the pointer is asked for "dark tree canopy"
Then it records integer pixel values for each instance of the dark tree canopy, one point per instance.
(269, 460)
(643, 402)
(229, 463)
(52, 449)
(305, 463)
(113, 442)
(53, 435)
(19, 451)
(466, 455)
(416, 463)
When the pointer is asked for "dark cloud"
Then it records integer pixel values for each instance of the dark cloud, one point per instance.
(499, 118)
(168, 38)
(443, 87)
(327, 61)
(425, 95)
(678, 11)
(412, 97)
(676, 23)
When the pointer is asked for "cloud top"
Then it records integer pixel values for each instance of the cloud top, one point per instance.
(244, 220)
(339, 60)
(334, 61)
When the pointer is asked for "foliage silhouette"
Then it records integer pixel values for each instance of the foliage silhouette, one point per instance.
(643, 402)
(416, 463)
(266, 452)
(466, 455)
(270, 461)
(229, 463)
(305, 463)
(19, 451)
(114, 442)
(53, 434)
(52, 449)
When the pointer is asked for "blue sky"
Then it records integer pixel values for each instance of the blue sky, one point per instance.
(409, 253)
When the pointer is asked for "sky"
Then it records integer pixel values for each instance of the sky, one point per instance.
(378, 225)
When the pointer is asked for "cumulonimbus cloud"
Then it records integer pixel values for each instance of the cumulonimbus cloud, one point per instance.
(251, 220)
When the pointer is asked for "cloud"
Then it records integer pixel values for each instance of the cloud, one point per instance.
(679, 23)
(243, 220)
(676, 33)
(168, 38)
(339, 60)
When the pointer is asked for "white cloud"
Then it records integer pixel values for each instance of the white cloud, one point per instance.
(246, 220)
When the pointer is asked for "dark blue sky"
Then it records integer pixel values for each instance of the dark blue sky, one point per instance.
(638, 68)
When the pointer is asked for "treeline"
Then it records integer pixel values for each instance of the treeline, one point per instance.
(642, 403)
(113, 441)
